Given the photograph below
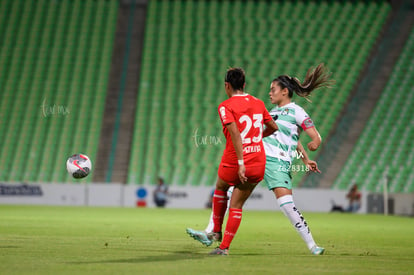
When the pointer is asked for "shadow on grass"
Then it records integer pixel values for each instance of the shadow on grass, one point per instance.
(174, 256)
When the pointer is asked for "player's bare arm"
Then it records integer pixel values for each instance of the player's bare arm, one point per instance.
(302, 153)
(238, 147)
(271, 127)
(315, 137)
(311, 164)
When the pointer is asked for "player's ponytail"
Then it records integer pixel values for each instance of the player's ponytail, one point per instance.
(319, 77)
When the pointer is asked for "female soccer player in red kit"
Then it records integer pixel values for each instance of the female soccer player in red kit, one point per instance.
(243, 161)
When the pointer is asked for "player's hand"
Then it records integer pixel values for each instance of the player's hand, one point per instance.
(242, 171)
(313, 166)
(312, 146)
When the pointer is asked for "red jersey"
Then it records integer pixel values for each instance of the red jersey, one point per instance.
(249, 114)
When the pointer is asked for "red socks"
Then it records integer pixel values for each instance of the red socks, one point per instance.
(233, 223)
(219, 209)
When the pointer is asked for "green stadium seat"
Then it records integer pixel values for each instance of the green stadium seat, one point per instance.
(389, 134)
(188, 45)
(56, 54)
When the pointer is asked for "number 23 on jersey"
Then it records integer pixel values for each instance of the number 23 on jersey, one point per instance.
(256, 123)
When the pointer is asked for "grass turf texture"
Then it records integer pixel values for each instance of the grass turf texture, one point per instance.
(78, 240)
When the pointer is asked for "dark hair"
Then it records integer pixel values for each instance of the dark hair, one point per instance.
(236, 78)
(319, 77)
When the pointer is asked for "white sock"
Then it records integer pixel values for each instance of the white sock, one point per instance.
(296, 219)
(210, 225)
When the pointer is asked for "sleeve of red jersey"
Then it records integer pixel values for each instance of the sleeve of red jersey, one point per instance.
(226, 116)
(266, 116)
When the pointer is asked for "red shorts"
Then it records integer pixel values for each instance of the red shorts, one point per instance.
(230, 175)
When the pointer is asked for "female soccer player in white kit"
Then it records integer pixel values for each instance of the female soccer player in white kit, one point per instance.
(281, 146)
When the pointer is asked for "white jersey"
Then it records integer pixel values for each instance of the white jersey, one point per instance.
(289, 118)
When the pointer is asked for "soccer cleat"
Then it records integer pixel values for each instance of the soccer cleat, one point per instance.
(316, 250)
(218, 251)
(215, 236)
(200, 236)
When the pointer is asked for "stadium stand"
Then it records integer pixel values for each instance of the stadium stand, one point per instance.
(190, 44)
(385, 146)
(54, 62)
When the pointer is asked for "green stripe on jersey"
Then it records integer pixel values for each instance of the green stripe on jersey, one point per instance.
(288, 118)
(274, 142)
(283, 129)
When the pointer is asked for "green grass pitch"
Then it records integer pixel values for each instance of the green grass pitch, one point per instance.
(82, 240)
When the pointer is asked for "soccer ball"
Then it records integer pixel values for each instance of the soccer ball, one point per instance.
(79, 166)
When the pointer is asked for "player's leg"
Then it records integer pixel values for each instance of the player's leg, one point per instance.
(285, 201)
(237, 201)
(206, 237)
(203, 237)
(278, 179)
(219, 209)
(239, 196)
(210, 224)
(219, 204)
